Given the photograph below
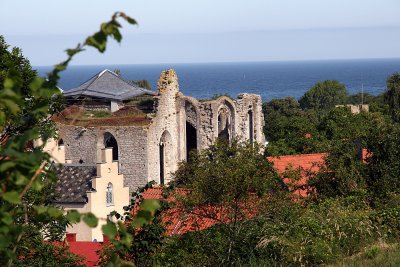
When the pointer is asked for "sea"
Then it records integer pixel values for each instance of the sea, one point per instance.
(269, 79)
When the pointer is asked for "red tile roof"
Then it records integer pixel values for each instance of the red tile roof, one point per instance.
(88, 250)
(304, 164)
(177, 220)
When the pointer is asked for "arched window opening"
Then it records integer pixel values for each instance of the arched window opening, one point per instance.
(165, 150)
(251, 126)
(191, 139)
(110, 141)
(109, 194)
(162, 164)
(60, 142)
(223, 125)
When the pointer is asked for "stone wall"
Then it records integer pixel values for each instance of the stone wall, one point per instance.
(139, 147)
(165, 123)
(83, 145)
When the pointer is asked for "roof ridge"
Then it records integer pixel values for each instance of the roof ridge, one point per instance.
(99, 74)
(300, 155)
(133, 84)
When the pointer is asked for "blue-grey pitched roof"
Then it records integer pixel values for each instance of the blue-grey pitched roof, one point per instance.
(74, 182)
(108, 85)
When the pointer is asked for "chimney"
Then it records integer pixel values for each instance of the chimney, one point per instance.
(71, 237)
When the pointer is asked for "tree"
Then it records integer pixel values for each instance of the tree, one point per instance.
(392, 95)
(227, 182)
(289, 129)
(324, 96)
(25, 104)
(383, 168)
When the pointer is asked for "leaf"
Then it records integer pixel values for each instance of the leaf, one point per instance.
(90, 219)
(6, 218)
(40, 209)
(36, 84)
(7, 165)
(150, 205)
(12, 197)
(8, 83)
(109, 229)
(54, 212)
(73, 216)
(139, 221)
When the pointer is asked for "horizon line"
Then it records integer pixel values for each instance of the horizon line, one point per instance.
(229, 62)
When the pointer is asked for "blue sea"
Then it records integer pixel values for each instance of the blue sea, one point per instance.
(269, 79)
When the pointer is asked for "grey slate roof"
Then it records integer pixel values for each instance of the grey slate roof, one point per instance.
(109, 85)
(73, 182)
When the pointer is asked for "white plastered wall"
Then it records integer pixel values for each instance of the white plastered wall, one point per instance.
(107, 172)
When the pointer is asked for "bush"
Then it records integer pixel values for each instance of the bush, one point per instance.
(208, 247)
(319, 234)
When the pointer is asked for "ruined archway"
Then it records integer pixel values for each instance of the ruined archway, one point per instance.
(251, 125)
(191, 139)
(165, 150)
(226, 120)
(110, 141)
(224, 124)
(191, 128)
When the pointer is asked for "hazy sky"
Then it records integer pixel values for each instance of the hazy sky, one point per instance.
(206, 31)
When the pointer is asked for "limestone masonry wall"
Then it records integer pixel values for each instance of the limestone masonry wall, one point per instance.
(178, 123)
(83, 145)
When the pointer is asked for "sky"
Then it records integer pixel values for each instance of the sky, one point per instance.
(190, 31)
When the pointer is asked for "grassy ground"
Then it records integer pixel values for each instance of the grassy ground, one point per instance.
(382, 256)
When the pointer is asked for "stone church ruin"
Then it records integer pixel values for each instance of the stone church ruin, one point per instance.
(150, 132)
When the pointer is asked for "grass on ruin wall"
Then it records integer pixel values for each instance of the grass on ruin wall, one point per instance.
(78, 116)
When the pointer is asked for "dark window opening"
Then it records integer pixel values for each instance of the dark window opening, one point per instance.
(162, 162)
(60, 142)
(110, 141)
(191, 140)
(251, 126)
(223, 127)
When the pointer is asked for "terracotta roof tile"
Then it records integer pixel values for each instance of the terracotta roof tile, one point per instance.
(88, 250)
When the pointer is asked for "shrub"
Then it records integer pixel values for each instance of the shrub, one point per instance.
(319, 234)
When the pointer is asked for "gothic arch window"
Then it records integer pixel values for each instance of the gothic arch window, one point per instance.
(224, 124)
(109, 195)
(110, 141)
(191, 128)
(251, 126)
(165, 150)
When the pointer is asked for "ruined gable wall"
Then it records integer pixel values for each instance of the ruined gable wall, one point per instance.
(166, 119)
(188, 109)
(244, 103)
(84, 144)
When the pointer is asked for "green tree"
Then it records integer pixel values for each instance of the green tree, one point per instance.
(25, 105)
(289, 129)
(324, 96)
(227, 182)
(392, 95)
(383, 166)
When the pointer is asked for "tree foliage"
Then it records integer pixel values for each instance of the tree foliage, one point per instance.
(392, 95)
(227, 182)
(383, 168)
(324, 95)
(26, 103)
